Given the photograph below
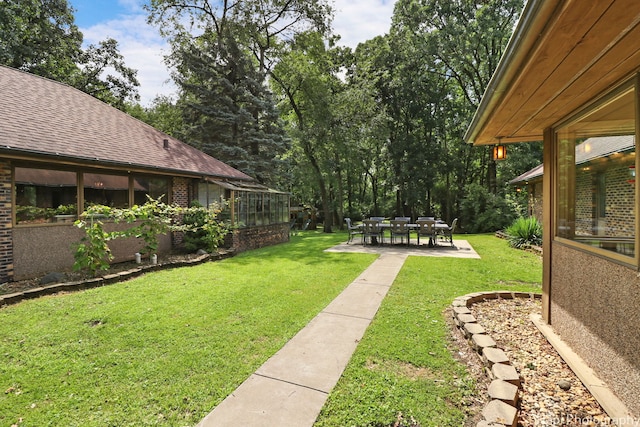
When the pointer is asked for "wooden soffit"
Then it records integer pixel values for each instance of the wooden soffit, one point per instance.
(562, 55)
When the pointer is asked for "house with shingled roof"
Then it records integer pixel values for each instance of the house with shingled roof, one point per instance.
(571, 73)
(62, 150)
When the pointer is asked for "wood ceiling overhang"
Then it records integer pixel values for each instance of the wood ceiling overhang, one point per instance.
(562, 55)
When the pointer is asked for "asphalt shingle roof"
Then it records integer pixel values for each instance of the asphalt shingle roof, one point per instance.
(46, 118)
(588, 150)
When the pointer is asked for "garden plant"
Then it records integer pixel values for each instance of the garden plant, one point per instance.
(149, 221)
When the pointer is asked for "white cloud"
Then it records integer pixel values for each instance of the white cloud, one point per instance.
(357, 21)
(143, 49)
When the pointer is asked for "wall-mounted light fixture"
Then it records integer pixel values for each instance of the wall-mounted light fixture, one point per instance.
(499, 152)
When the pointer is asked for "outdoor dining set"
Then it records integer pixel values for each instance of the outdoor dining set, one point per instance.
(373, 230)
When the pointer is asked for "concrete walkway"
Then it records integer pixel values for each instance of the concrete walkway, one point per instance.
(292, 386)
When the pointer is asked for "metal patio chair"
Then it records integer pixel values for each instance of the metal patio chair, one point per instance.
(447, 233)
(371, 230)
(399, 228)
(353, 230)
(426, 228)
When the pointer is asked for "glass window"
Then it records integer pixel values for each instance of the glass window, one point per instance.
(242, 211)
(596, 158)
(44, 196)
(210, 193)
(256, 208)
(152, 186)
(108, 190)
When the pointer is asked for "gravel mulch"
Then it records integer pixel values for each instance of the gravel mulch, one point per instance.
(551, 394)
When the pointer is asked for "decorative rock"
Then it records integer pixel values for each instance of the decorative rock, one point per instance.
(461, 310)
(466, 318)
(564, 384)
(499, 412)
(481, 341)
(471, 329)
(507, 373)
(504, 391)
(492, 355)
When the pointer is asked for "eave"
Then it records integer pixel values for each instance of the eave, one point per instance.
(562, 55)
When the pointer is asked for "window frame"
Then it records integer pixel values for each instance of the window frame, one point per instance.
(633, 261)
(80, 193)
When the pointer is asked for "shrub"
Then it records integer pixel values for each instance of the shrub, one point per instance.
(524, 231)
(484, 212)
(152, 219)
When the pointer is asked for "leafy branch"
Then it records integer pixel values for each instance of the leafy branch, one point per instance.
(150, 220)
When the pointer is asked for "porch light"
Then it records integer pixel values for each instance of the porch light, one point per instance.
(499, 152)
(632, 174)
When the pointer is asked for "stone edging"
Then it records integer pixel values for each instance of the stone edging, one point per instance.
(107, 279)
(504, 390)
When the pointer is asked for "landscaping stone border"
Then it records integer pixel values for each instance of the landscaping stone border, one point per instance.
(108, 278)
(504, 390)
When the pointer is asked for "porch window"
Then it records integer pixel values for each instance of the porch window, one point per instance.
(45, 196)
(105, 189)
(154, 187)
(596, 188)
(260, 208)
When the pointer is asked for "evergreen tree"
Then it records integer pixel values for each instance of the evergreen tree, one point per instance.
(229, 111)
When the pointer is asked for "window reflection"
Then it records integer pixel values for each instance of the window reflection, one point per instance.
(44, 195)
(596, 159)
(108, 190)
(154, 187)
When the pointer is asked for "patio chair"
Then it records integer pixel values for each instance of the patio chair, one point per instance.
(352, 230)
(403, 218)
(426, 228)
(399, 228)
(447, 233)
(371, 230)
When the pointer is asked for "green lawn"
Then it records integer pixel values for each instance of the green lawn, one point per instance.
(167, 347)
(404, 364)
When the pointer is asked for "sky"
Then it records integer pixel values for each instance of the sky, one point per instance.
(143, 49)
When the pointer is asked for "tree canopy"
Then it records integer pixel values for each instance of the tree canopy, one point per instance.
(263, 86)
(40, 36)
(373, 131)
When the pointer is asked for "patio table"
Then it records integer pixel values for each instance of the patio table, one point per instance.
(439, 225)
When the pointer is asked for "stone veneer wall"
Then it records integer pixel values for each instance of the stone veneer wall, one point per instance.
(42, 249)
(6, 225)
(244, 239)
(594, 309)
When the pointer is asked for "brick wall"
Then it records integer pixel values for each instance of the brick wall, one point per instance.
(181, 195)
(621, 211)
(244, 239)
(535, 200)
(6, 229)
(620, 206)
(584, 204)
